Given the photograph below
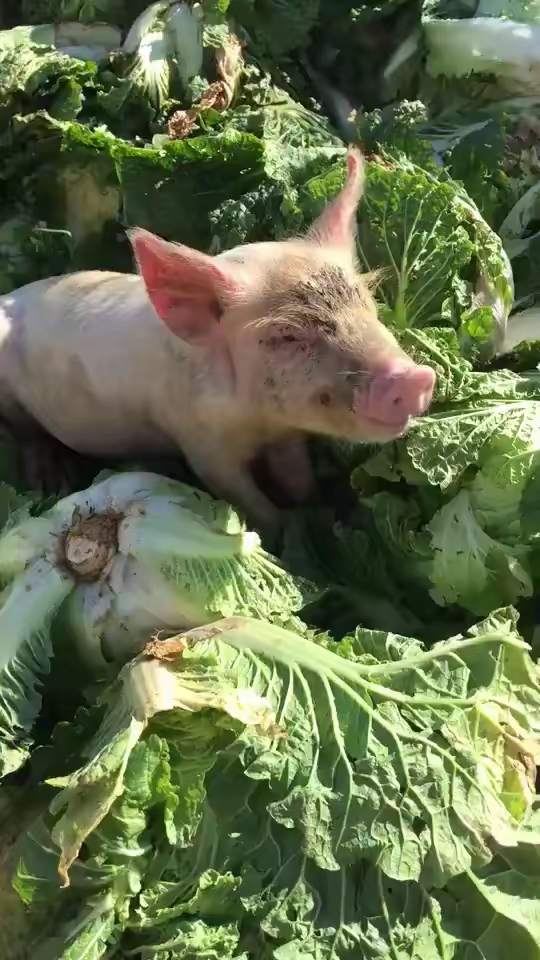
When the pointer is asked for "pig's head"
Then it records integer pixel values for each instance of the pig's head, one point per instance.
(298, 324)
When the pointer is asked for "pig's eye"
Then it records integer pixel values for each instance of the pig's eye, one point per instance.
(284, 338)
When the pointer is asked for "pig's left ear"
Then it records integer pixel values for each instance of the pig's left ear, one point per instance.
(188, 290)
(337, 223)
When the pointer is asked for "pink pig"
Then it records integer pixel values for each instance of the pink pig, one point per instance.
(223, 357)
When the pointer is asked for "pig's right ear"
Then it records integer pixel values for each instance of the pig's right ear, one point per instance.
(188, 290)
(337, 223)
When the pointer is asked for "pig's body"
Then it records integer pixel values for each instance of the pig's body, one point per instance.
(86, 357)
(118, 381)
(220, 357)
(64, 362)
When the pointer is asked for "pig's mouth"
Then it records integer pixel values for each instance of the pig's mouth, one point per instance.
(385, 429)
(289, 487)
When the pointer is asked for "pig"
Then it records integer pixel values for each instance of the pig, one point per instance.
(225, 358)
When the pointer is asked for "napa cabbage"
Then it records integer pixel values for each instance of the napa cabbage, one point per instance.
(133, 554)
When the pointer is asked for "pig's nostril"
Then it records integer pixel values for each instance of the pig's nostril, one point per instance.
(396, 399)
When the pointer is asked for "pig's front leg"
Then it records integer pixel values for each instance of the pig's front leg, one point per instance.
(290, 467)
(230, 479)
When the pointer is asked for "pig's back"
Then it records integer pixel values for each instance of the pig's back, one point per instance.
(86, 357)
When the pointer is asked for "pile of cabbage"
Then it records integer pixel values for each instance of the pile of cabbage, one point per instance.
(223, 781)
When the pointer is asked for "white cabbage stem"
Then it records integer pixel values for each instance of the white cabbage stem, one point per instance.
(180, 535)
(27, 541)
(32, 599)
(506, 48)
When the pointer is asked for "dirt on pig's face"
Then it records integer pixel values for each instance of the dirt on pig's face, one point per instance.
(315, 349)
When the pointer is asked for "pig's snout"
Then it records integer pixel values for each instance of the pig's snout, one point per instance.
(397, 393)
